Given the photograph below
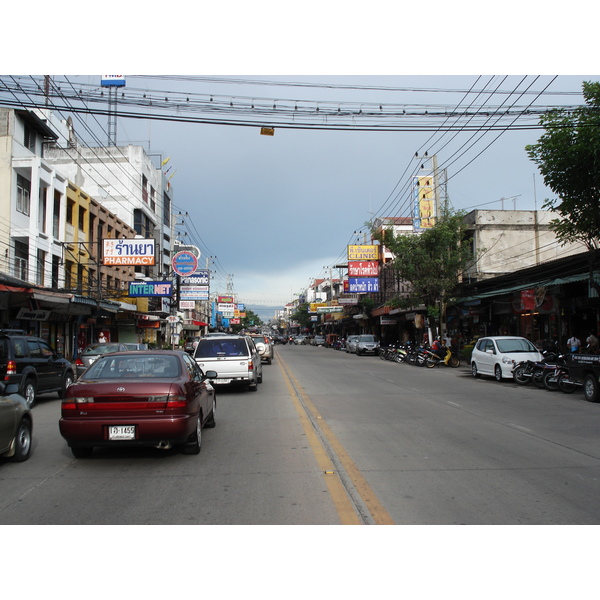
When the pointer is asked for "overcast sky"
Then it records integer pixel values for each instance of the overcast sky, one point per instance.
(276, 211)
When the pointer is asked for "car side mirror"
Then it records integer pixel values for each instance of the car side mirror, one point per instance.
(211, 375)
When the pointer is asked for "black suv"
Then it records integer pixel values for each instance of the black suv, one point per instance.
(33, 365)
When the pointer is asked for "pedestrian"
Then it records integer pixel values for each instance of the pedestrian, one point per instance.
(101, 338)
(592, 343)
(573, 344)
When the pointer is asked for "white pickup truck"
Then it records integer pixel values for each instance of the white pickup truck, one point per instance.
(235, 358)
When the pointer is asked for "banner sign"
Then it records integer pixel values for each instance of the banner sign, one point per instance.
(34, 315)
(363, 268)
(150, 289)
(187, 304)
(112, 80)
(128, 252)
(363, 252)
(193, 295)
(225, 300)
(363, 285)
(330, 309)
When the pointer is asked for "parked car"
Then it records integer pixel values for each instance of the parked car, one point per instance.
(235, 359)
(158, 398)
(300, 340)
(497, 355)
(367, 344)
(94, 351)
(351, 344)
(31, 364)
(16, 424)
(135, 346)
(264, 346)
(190, 344)
(318, 340)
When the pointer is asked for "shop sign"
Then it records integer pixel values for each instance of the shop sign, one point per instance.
(187, 304)
(128, 252)
(363, 285)
(388, 320)
(363, 252)
(200, 277)
(150, 289)
(34, 315)
(363, 268)
(225, 300)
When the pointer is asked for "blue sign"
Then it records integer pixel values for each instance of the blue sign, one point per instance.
(184, 263)
(363, 285)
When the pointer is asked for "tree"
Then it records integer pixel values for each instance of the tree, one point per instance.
(250, 320)
(431, 262)
(568, 157)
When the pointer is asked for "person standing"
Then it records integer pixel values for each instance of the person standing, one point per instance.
(592, 343)
(574, 344)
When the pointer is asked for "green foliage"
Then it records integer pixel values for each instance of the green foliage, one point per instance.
(250, 320)
(568, 157)
(432, 261)
(301, 315)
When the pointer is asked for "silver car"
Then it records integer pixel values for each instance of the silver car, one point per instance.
(351, 343)
(367, 344)
(93, 351)
(15, 424)
(264, 345)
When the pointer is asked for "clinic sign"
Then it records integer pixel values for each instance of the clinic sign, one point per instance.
(136, 252)
(363, 252)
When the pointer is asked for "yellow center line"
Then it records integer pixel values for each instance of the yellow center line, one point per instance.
(336, 488)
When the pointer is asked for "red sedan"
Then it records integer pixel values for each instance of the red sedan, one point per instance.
(157, 398)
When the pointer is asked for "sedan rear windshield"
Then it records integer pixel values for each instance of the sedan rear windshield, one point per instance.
(515, 345)
(102, 349)
(367, 338)
(221, 347)
(128, 365)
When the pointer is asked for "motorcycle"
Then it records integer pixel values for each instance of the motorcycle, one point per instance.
(448, 359)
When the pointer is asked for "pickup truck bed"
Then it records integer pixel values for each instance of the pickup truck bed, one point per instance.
(584, 369)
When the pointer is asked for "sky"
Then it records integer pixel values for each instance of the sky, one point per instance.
(272, 213)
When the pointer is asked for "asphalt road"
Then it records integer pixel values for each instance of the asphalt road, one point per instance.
(332, 438)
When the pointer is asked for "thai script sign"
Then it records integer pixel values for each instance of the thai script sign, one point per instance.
(363, 268)
(225, 300)
(150, 289)
(128, 252)
(330, 309)
(184, 263)
(363, 252)
(363, 285)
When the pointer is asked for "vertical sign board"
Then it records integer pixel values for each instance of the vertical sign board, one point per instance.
(362, 258)
(423, 203)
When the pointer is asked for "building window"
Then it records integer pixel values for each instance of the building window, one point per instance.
(29, 140)
(145, 189)
(23, 194)
(43, 211)
(152, 199)
(55, 270)
(82, 212)
(56, 215)
(70, 206)
(41, 267)
(167, 210)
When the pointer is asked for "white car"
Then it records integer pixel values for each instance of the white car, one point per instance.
(497, 355)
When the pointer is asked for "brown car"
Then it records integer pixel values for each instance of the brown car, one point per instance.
(158, 398)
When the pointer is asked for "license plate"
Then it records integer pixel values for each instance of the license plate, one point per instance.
(221, 380)
(121, 432)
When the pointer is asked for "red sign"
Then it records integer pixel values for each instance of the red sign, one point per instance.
(363, 268)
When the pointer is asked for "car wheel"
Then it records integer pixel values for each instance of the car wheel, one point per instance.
(269, 361)
(195, 444)
(29, 392)
(590, 388)
(474, 371)
(67, 381)
(22, 442)
(498, 373)
(82, 451)
(212, 417)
